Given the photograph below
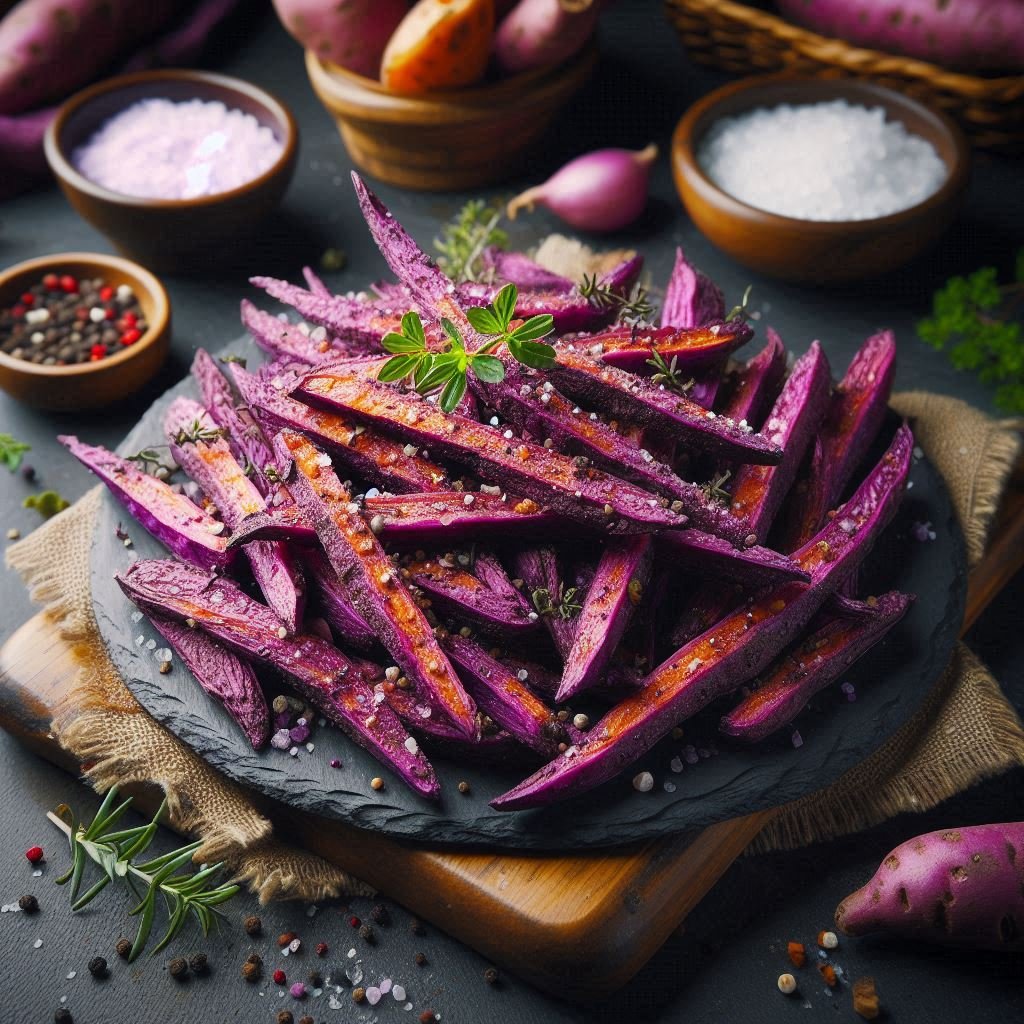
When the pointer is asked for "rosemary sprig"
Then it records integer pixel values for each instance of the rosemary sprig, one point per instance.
(714, 489)
(742, 311)
(668, 374)
(633, 307)
(148, 457)
(11, 451)
(195, 432)
(114, 850)
(463, 239)
(567, 607)
(448, 369)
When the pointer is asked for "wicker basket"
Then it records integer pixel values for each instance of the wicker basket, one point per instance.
(744, 39)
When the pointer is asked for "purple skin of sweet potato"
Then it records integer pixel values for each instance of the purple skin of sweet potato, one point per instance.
(185, 42)
(510, 703)
(957, 887)
(855, 416)
(284, 340)
(320, 672)
(818, 660)
(691, 299)
(757, 492)
(711, 556)
(366, 571)
(752, 387)
(517, 268)
(629, 397)
(364, 451)
(561, 483)
(487, 568)
(315, 285)
(243, 434)
(533, 406)
(540, 571)
(211, 465)
(336, 604)
(181, 526)
(623, 574)
(458, 593)
(222, 675)
(731, 652)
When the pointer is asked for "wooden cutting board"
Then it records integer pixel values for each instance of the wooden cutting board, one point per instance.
(579, 925)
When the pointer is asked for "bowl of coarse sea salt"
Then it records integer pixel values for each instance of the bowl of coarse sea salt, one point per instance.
(176, 168)
(818, 180)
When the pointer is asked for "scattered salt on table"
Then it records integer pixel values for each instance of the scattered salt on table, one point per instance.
(830, 161)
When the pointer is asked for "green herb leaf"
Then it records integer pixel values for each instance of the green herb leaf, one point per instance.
(426, 362)
(633, 307)
(453, 392)
(485, 321)
(532, 353)
(11, 451)
(453, 333)
(412, 327)
(397, 368)
(444, 367)
(46, 503)
(400, 343)
(504, 305)
(741, 312)
(464, 239)
(536, 327)
(488, 368)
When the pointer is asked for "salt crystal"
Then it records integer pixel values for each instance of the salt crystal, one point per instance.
(830, 161)
(37, 943)
(311, 910)
(644, 782)
(669, 787)
(150, 645)
(373, 995)
(70, 975)
(354, 972)
(798, 740)
(676, 765)
(399, 993)
(385, 986)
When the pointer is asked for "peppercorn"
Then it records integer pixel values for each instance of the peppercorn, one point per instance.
(358, 994)
(285, 1017)
(376, 783)
(464, 788)
(421, 959)
(123, 948)
(254, 958)
(284, 939)
(366, 932)
(178, 967)
(28, 472)
(865, 998)
(380, 914)
(28, 903)
(316, 979)
(253, 926)
(252, 971)
(427, 1017)
(306, 1020)
(34, 854)
(63, 1016)
(165, 668)
(320, 949)
(197, 963)
(98, 967)
(280, 977)
(491, 976)
(828, 940)
(416, 927)
(786, 984)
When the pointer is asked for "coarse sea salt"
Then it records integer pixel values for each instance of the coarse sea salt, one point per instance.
(831, 161)
(158, 149)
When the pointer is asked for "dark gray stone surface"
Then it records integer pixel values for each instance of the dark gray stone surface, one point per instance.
(723, 969)
(891, 683)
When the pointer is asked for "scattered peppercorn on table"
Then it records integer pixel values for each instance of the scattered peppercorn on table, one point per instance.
(738, 946)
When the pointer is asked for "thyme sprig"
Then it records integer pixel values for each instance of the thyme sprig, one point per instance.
(11, 451)
(464, 239)
(714, 489)
(448, 369)
(149, 457)
(632, 307)
(567, 607)
(196, 432)
(668, 374)
(115, 850)
(742, 311)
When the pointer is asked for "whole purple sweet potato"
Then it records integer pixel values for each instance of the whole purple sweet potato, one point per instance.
(537, 33)
(49, 48)
(962, 887)
(352, 34)
(966, 34)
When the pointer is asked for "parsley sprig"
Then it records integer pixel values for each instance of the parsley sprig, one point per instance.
(448, 370)
(976, 320)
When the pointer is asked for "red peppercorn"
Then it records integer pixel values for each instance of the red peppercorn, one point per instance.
(68, 284)
(109, 314)
(354, 921)
(34, 854)
(321, 949)
(28, 299)
(280, 977)
(82, 313)
(97, 352)
(131, 336)
(51, 282)
(106, 293)
(129, 319)
(17, 312)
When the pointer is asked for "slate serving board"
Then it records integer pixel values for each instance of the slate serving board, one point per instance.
(724, 782)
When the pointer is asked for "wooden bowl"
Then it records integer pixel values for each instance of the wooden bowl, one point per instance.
(88, 385)
(170, 234)
(817, 252)
(446, 141)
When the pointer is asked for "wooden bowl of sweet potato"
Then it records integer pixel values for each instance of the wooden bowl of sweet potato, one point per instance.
(451, 140)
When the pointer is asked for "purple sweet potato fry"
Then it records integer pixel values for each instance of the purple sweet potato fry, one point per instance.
(517, 268)
(320, 672)
(284, 340)
(222, 674)
(543, 579)
(818, 660)
(377, 590)
(620, 580)
(349, 627)
(175, 521)
(731, 652)
(958, 887)
(691, 298)
(710, 555)
(752, 387)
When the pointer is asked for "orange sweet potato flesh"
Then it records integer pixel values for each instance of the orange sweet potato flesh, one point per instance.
(440, 44)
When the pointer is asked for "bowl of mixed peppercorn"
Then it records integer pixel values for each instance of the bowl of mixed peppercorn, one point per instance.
(80, 330)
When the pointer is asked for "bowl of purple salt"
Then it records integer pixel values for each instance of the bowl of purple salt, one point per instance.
(176, 168)
(816, 180)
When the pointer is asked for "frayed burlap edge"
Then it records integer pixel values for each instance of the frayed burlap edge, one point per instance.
(102, 725)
